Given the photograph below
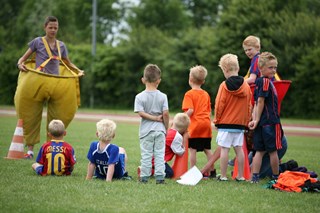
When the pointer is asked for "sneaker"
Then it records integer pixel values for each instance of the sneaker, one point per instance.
(160, 182)
(126, 176)
(222, 179)
(144, 181)
(231, 162)
(28, 156)
(242, 179)
(254, 181)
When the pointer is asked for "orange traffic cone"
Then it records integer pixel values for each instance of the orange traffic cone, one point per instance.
(282, 88)
(180, 164)
(246, 168)
(16, 150)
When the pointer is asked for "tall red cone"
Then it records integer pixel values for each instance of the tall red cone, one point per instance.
(282, 87)
(180, 164)
(246, 167)
(16, 150)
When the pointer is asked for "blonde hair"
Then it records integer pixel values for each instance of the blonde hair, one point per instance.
(198, 74)
(56, 128)
(265, 57)
(229, 63)
(252, 41)
(106, 129)
(151, 73)
(181, 122)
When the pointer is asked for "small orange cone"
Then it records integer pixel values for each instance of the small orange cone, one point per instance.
(180, 164)
(246, 168)
(16, 150)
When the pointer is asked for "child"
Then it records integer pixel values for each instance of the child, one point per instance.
(251, 47)
(175, 140)
(232, 114)
(265, 118)
(106, 160)
(152, 107)
(29, 104)
(56, 157)
(197, 105)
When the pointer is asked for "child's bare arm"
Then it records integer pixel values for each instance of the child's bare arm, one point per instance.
(257, 111)
(189, 112)
(90, 171)
(165, 117)
(110, 172)
(150, 117)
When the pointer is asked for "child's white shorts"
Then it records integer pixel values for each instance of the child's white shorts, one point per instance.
(228, 139)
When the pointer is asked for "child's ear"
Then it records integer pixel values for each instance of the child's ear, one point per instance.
(65, 133)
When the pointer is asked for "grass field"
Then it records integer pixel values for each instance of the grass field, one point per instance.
(23, 191)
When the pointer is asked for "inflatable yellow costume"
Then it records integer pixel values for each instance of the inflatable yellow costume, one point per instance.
(60, 92)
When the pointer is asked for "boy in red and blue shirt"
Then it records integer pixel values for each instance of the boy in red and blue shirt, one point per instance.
(176, 137)
(266, 120)
(56, 157)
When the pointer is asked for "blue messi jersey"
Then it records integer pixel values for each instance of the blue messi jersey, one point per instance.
(103, 158)
(265, 88)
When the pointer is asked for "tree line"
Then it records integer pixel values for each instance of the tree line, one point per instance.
(175, 35)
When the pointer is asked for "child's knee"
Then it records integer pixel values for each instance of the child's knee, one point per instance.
(122, 150)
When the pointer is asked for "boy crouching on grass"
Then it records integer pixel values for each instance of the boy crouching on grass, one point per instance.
(106, 161)
(176, 138)
(56, 157)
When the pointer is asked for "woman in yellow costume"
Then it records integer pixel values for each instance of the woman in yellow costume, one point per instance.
(51, 78)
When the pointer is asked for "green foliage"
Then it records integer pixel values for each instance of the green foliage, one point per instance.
(176, 35)
(166, 15)
(8, 73)
(307, 83)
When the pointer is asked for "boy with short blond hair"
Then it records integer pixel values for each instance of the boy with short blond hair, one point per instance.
(175, 140)
(251, 46)
(107, 161)
(197, 105)
(232, 114)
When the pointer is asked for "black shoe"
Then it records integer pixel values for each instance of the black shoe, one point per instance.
(213, 174)
(160, 182)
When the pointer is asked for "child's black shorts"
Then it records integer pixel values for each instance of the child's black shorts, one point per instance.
(200, 144)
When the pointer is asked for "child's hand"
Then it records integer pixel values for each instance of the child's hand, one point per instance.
(252, 125)
(159, 118)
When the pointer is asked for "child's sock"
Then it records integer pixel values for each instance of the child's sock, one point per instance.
(30, 152)
(255, 178)
(274, 177)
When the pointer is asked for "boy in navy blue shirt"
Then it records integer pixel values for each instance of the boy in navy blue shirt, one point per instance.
(265, 118)
(106, 161)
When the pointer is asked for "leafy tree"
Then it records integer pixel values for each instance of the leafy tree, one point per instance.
(167, 15)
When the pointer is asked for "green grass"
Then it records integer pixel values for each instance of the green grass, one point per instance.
(23, 191)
